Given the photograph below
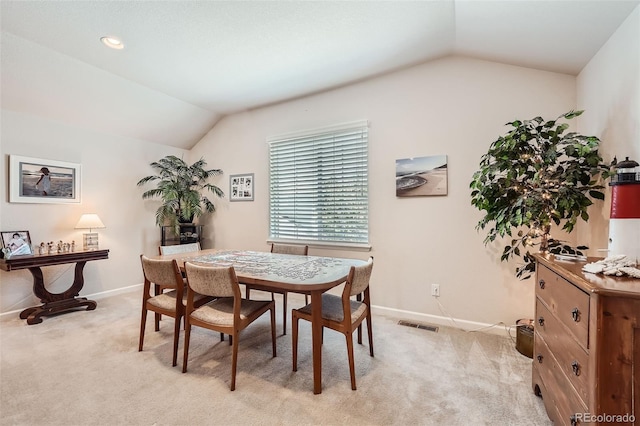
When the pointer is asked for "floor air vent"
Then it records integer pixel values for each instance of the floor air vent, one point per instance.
(420, 326)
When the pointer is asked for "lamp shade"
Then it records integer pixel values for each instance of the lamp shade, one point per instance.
(89, 221)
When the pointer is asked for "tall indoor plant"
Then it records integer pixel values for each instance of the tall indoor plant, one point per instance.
(534, 176)
(181, 187)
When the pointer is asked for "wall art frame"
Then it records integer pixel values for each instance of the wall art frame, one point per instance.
(37, 180)
(422, 176)
(15, 243)
(241, 187)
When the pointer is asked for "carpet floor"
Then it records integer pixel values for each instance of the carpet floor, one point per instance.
(84, 368)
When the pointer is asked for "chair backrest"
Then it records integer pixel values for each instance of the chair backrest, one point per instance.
(165, 273)
(217, 281)
(289, 249)
(180, 248)
(358, 278)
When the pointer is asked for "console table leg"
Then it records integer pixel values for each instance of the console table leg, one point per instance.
(56, 303)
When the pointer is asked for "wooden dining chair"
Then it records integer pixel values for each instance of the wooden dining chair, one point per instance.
(342, 314)
(229, 313)
(282, 249)
(165, 274)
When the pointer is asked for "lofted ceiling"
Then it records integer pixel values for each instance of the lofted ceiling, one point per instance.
(186, 64)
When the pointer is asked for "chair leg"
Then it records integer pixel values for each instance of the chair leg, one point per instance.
(273, 328)
(360, 334)
(157, 321)
(187, 337)
(247, 290)
(294, 338)
(349, 338)
(306, 299)
(143, 322)
(284, 314)
(234, 361)
(370, 332)
(222, 337)
(176, 336)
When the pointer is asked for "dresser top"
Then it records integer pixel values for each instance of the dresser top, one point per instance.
(571, 270)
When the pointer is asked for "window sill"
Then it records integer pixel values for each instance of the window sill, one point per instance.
(324, 245)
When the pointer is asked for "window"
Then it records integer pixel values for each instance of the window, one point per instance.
(318, 186)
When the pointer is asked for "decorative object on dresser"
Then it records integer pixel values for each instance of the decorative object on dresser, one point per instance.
(535, 176)
(90, 221)
(586, 362)
(181, 187)
(624, 223)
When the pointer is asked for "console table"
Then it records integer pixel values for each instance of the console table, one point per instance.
(54, 303)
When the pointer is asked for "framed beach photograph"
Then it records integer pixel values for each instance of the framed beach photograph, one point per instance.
(421, 176)
(241, 187)
(36, 180)
(16, 243)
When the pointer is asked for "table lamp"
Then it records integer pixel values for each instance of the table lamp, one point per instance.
(90, 221)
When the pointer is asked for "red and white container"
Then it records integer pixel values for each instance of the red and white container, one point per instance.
(624, 225)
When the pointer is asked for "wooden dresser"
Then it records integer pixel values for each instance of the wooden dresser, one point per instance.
(586, 344)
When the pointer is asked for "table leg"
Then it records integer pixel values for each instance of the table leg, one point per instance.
(54, 303)
(316, 329)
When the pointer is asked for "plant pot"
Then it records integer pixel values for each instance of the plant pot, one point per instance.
(185, 219)
(524, 337)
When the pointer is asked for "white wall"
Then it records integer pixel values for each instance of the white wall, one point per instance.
(454, 106)
(608, 89)
(111, 166)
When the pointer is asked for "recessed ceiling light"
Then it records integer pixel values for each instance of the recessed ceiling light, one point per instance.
(112, 42)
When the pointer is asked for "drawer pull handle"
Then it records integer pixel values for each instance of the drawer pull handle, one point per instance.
(575, 366)
(539, 358)
(541, 321)
(575, 314)
(541, 284)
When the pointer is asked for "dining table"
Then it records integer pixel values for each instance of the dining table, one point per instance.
(312, 275)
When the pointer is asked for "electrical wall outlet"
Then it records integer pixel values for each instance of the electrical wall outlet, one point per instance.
(435, 290)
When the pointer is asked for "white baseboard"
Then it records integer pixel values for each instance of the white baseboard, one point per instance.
(466, 325)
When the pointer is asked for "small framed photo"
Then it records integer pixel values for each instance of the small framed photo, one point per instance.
(241, 187)
(15, 243)
(35, 180)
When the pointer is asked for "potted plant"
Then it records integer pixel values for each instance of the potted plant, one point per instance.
(533, 177)
(180, 186)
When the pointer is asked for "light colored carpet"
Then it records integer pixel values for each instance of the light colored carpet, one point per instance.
(84, 368)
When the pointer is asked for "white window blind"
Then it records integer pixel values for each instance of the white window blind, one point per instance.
(319, 186)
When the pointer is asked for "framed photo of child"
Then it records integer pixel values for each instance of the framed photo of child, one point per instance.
(35, 180)
(15, 243)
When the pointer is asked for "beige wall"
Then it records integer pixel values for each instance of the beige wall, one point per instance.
(453, 106)
(608, 89)
(111, 166)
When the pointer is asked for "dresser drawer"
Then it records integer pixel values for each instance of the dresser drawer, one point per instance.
(562, 395)
(571, 357)
(566, 301)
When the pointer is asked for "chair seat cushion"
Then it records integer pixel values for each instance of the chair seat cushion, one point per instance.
(220, 311)
(332, 308)
(168, 300)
